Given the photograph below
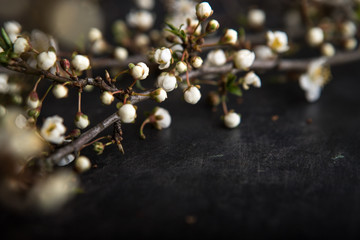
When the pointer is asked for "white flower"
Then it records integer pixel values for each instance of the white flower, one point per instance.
(181, 67)
(127, 113)
(277, 41)
(107, 98)
(203, 10)
(81, 120)
(165, 120)
(348, 29)
(99, 46)
(33, 100)
(140, 71)
(196, 62)
(216, 57)
(350, 43)
(263, 52)
(80, 62)
(192, 95)
(60, 91)
(94, 34)
(12, 27)
(121, 53)
(230, 36)
(46, 60)
(21, 45)
(53, 130)
(145, 4)
(315, 36)
(232, 120)
(82, 164)
(243, 59)
(4, 86)
(142, 19)
(212, 26)
(314, 79)
(163, 57)
(166, 81)
(256, 18)
(159, 95)
(328, 50)
(251, 79)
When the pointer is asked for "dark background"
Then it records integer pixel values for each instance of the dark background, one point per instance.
(290, 178)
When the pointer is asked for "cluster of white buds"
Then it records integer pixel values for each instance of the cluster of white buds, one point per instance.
(46, 60)
(196, 61)
(159, 95)
(21, 45)
(163, 56)
(315, 36)
(277, 41)
(203, 11)
(53, 130)
(256, 18)
(81, 120)
(60, 91)
(216, 57)
(80, 62)
(166, 81)
(107, 97)
(13, 29)
(121, 53)
(140, 71)
(127, 113)
(82, 164)
(192, 94)
(230, 37)
(232, 119)
(243, 59)
(251, 79)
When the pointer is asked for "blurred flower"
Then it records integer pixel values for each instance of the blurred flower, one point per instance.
(53, 129)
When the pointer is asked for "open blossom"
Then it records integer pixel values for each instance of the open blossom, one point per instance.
(314, 79)
(163, 118)
(277, 41)
(127, 113)
(142, 19)
(251, 79)
(81, 120)
(230, 36)
(256, 17)
(53, 130)
(203, 10)
(80, 62)
(163, 57)
(21, 45)
(216, 57)
(192, 95)
(232, 120)
(243, 59)
(159, 95)
(46, 60)
(140, 71)
(166, 81)
(315, 36)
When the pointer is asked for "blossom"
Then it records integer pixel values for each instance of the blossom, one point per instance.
(53, 130)
(21, 45)
(46, 60)
(145, 4)
(315, 36)
(256, 17)
(263, 52)
(203, 10)
(192, 95)
(196, 61)
(82, 164)
(251, 79)
(166, 81)
(60, 91)
(163, 118)
(327, 49)
(81, 120)
(13, 29)
(142, 19)
(127, 113)
(277, 41)
(140, 71)
(80, 62)
(181, 67)
(163, 57)
(314, 79)
(107, 98)
(212, 26)
(243, 59)
(121, 53)
(159, 95)
(230, 36)
(348, 29)
(232, 119)
(216, 57)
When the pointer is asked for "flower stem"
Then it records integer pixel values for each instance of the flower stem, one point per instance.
(142, 135)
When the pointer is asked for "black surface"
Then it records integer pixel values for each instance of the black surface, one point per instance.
(264, 179)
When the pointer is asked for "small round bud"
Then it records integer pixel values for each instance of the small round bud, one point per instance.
(80, 62)
(107, 98)
(192, 95)
(203, 11)
(348, 29)
(12, 27)
(34, 112)
(232, 120)
(315, 36)
(60, 91)
(33, 100)
(350, 43)
(181, 67)
(212, 26)
(140, 71)
(166, 81)
(142, 19)
(94, 34)
(65, 64)
(75, 133)
(263, 52)
(230, 37)
(81, 120)
(21, 45)
(99, 46)
(121, 53)
(127, 113)
(256, 18)
(163, 57)
(328, 50)
(196, 61)
(46, 60)
(243, 59)
(216, 57)
(99, 147)
(82, 164)
(159, 95)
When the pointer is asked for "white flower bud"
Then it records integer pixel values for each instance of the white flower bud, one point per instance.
(145, 4)
(99, 46)
(328, 50)
(216, 57)
(163, 57)
(12, 27)
(159, 95)
(315, 36)
(46, 60)
(80, 62)
(166, 81)
(81, 120)
(121, 53)
(277, 41)
(263, 52)
(140, 71)
(192, 95)
(21, 45)
(142, 19)
(53, 129)
(232, 120)
(212, 26)
(82, 164)
(243, 59)
(4, 85)
(165, 120)
(127, 113)
(107, 98)
(60, 91)
(203, 11)
(256, 18)
(141, 40)
(94, 34)
(181, 67)
(196, 62)
(350, 44)
(348, 29)
(33, 100)
(192, 24)
(230, 36)
(251, 79)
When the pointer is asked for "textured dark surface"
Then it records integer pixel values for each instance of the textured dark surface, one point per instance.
(265, 179)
